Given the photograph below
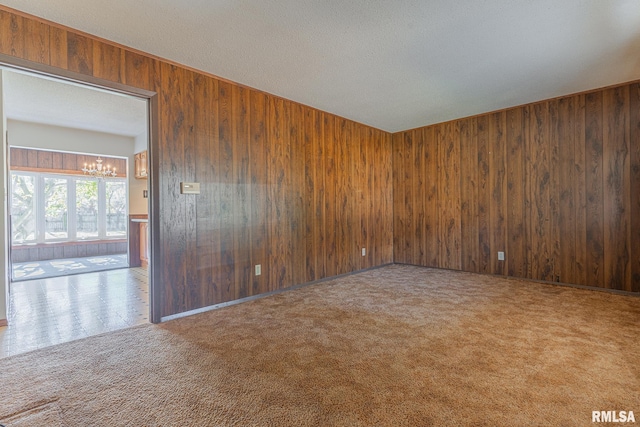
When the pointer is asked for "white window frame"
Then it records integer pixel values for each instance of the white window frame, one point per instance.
(72, 236)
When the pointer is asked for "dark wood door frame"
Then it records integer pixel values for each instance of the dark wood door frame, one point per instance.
(155, 293)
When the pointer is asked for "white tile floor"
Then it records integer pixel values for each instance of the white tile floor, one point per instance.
(56, 310)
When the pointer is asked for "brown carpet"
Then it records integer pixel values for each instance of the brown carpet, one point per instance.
(396, 346)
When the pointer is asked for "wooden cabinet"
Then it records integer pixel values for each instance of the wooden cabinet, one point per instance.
(138, 240)
(141, 165)
(144, 244)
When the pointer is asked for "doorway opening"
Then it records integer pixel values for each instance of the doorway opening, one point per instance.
(77, 266)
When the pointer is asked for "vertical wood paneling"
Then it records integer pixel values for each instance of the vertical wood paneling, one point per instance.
(274, 199)
(319, 230)
(311, 214)
(528, 120)
(634, 212)
(399, 203)
(469, 194)
(69, 161)
(580, 193)
(138, 71)
(58, 53)
(45, 160)
(296, 193)
(418, 185)
(449, 195)
(516, 256)
(79, 54)
(214, 292)
(56, 160)
(330, 194)
(36, 47)
(191, 291)
(225, 177)
(555, 185)
(408, 222)
(18, 157)
(484, 196)
(172, 206)
(358, 232)
(566, 190)
(617, 203)
(430, 204)
(366, 202)
(286, 219)
(204, 203)
(258, 170)
(385, 208)
(375, 203)
(498, 183)
(241, 200)
(595, 189)
(12, 34)
(107, 62)
(541, 256)
(341, 220)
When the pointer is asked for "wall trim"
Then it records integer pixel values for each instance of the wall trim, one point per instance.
(264, 295)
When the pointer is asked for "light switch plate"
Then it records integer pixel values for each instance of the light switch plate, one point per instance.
(189, 188)
(500, 256)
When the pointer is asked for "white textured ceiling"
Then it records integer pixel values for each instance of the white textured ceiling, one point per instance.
(394, 64)
(54, 102)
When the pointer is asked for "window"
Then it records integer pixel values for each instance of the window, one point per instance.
(47, 208)
(87, 209)
(56, 221)
(23, 208)
(116, 203)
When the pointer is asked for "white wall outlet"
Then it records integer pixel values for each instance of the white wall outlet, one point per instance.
(500, 256)
(364, 251)
(258, 269)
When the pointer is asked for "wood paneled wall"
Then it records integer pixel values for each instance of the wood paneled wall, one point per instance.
(33, 160)
(555, 185)
(291, 188)
(47, 251)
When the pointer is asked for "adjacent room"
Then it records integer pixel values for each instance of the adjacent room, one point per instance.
(411, 213)
(75, 208)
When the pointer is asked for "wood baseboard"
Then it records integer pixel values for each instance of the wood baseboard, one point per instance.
(3, 322)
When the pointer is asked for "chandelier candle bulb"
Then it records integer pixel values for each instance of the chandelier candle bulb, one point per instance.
(95, 170)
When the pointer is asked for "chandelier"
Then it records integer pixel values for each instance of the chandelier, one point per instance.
(96, 170)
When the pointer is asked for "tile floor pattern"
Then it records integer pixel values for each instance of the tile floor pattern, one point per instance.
(56, 310)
